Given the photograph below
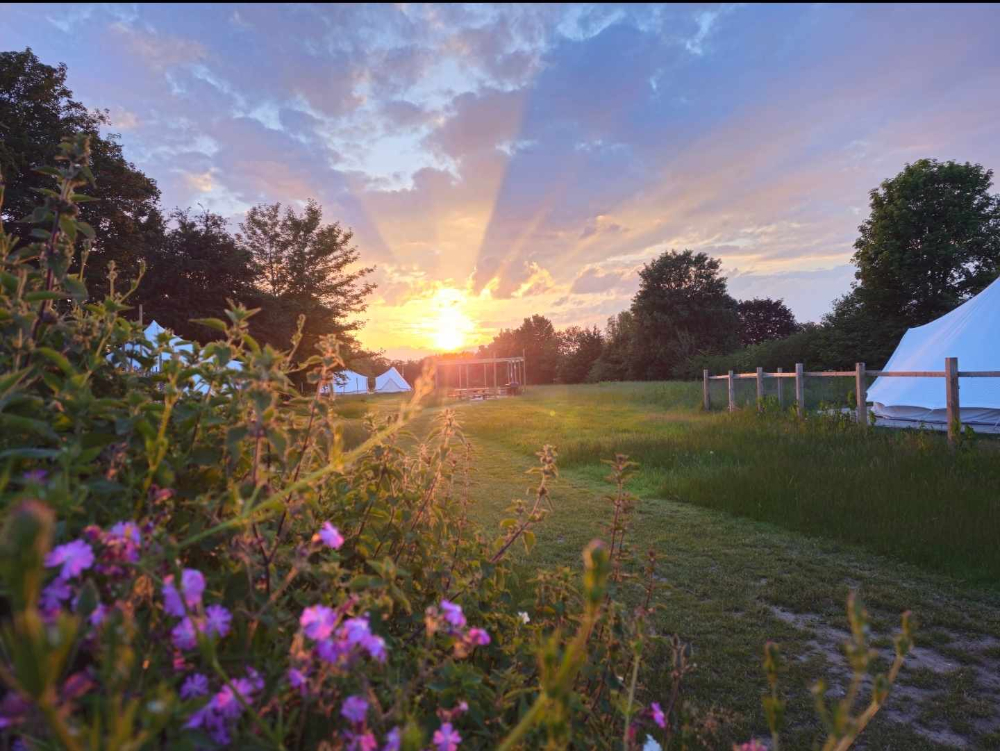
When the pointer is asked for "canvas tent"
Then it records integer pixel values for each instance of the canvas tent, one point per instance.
(971, 332)
(391, 382)
(176, 346)
(348, 382)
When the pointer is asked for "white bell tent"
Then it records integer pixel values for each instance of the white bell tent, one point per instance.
(348, 382)
(175, 346)
(971, 332)
(391, 382)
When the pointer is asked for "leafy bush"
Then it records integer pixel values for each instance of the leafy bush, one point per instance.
(192, 558)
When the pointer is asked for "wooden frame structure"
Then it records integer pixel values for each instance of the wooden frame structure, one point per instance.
(951, 374)
(509, 370)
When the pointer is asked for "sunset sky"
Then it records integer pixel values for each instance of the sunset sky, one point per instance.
(500, 161)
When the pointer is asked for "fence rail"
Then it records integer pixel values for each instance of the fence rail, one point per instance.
(951, 374)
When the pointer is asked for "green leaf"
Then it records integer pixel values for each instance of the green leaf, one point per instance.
(57, 359)
(212, 323)
(44, 295)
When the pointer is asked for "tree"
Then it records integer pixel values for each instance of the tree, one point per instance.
(615, 362)
(194, 272)
(536, 338)
(682, 308)
(931, 242)
(763, 319)
(36, 112)
(579, 350)
(304, 267)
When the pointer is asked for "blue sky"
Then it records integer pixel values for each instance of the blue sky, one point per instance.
(499, 161)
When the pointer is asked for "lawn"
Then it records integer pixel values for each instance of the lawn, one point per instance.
(762, 526)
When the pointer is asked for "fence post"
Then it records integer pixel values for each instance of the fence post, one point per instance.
(781, 390)
(760, 389)
(951, 391)
(800, 389)
(704, 390)
(861, 391)
(732, 392)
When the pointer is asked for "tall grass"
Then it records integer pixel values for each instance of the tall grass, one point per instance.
(900, 493)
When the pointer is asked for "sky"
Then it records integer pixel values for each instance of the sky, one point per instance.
(499, 161)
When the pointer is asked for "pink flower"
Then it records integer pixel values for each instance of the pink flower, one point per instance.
(74, 557)
(318, 621)
(453, 614)
(355, 708)
(477, 637)
(183, 635)
(330, 536)
(751, 745)
(194, 685)
(446, 738)
(217, 620)
(361, 742)
(192, 587)
(356, 630)
(657, 712)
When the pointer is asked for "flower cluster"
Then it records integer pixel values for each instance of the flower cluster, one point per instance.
(117, 547)
(224, 708)
(448, 618)
(186, 604)
(339, 641)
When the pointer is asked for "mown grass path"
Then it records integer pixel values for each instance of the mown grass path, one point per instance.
(728, 583)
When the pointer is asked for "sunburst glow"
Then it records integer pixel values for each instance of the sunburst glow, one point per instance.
(450, 325)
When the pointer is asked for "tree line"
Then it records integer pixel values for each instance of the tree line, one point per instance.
(285, 261)
(930, 242)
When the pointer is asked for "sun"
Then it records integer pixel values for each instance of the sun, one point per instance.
(450, 326)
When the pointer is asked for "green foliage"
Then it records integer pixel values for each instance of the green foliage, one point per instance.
(932, 241)
(304, 268)
(37, 110)
(763, 319)
(682, 308)
(580, 349)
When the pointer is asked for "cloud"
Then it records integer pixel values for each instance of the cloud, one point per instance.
(535, 156)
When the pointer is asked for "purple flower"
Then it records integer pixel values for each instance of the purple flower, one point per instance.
(35, 475)
(355, 708)
(330, 536)
(446, 738)
(298, 679)
(331, 651)
(657, 712)
(98, 615)
(192, 587)
(477, 637)
(126, 532)
(217, 620)
(355, 631)
(57, 592)
(74, 557)
(318, 621)
(195, 685)
(183, 635)
(392, 740)
(375, 646)
(453, 614)
(751, 745)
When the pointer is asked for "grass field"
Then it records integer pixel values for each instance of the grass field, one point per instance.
(762, 525)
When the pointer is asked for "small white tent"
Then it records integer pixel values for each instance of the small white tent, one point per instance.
(391, 382)
(348, 382)
(971, 332)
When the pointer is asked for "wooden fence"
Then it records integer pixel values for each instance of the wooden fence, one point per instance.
(951, 374)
